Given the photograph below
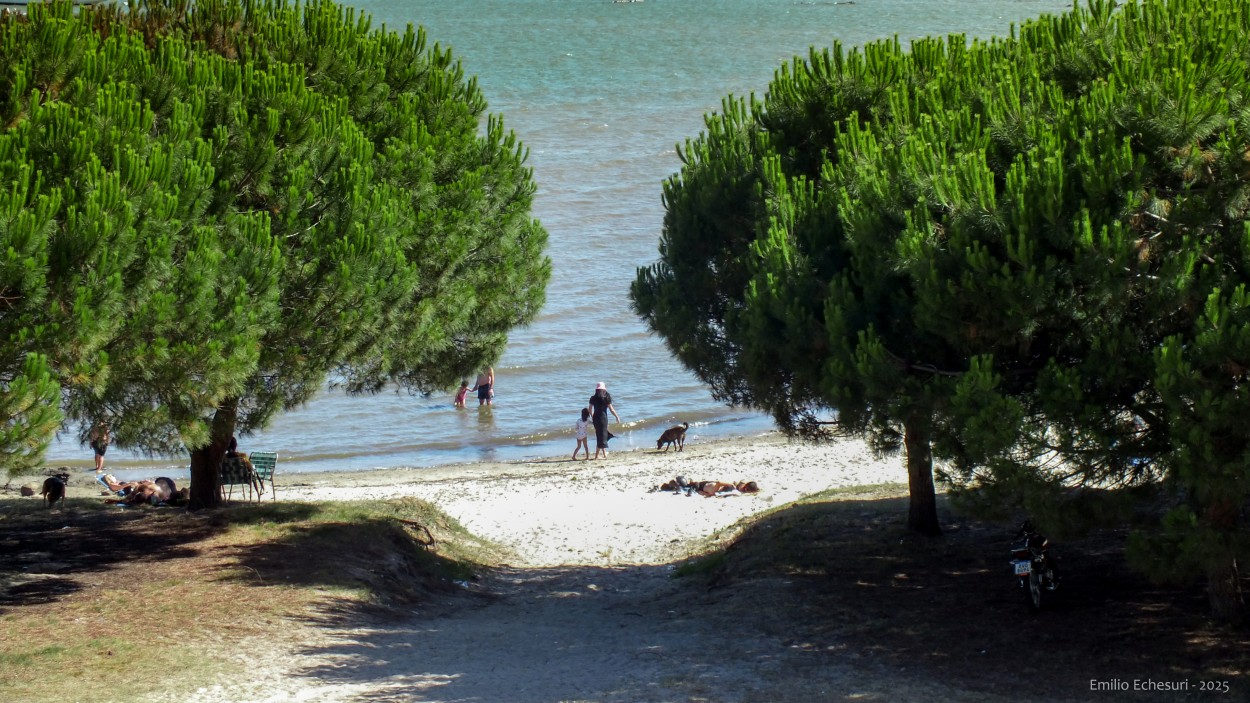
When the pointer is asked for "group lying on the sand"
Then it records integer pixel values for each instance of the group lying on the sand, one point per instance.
(707, 489)
(158, 491)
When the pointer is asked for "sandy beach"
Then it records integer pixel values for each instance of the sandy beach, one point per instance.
(557, 512)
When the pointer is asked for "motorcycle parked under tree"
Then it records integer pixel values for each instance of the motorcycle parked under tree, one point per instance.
(1037, 574)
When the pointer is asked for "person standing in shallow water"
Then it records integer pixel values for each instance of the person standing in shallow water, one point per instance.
(485, 386)
(600, 406)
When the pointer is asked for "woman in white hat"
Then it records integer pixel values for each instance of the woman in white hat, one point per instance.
(600, 406)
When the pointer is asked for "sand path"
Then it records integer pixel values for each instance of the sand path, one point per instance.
(589, 610)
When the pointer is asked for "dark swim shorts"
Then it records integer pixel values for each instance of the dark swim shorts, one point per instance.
(483, 391)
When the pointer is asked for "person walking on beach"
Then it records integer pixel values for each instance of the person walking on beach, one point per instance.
(600, 406)
(99, 444)
(581, 429)
(485, 386)
(460, 394)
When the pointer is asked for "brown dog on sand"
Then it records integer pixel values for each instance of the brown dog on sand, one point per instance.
(54, 489)
(673, 437)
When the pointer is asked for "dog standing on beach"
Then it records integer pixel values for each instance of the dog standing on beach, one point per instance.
(54, 489)
(673, 437)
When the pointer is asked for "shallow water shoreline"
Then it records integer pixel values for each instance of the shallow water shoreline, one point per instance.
(128, 467)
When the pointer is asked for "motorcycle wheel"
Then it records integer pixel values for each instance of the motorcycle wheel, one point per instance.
(1036, 593)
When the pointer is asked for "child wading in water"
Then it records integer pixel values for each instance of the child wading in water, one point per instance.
(581, 429)
(460, 394)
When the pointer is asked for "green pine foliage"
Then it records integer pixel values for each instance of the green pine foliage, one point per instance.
(219, 205)
(1026, 255)
(30, 414)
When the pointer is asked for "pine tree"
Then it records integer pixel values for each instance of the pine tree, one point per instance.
(764, 291)
(1023, 256)
(303, 197)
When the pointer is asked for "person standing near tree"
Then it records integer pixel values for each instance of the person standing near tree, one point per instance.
(99, 444)
(485, 386)
(600, 406)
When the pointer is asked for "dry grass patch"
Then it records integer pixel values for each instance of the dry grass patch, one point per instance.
(124, 604)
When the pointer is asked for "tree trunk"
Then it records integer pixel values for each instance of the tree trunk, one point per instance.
(1228, 604)
(922, 516)
(1224, 593)
(206, 460)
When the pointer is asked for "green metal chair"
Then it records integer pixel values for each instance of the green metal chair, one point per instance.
(238, 471)
(263, 466)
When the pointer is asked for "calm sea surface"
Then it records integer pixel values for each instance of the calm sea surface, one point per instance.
(600, 93)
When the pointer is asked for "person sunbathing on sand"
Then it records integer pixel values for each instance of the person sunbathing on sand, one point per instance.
(137, 492)
(720, 489)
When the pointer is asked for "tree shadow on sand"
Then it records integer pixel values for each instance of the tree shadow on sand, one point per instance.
(44, 554)
(574, 634)
(822, 601)
(949, 607)
(825, 601)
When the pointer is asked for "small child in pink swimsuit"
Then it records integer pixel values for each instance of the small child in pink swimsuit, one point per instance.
(581, 429)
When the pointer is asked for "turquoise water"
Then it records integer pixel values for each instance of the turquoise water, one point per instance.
(600, 93)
